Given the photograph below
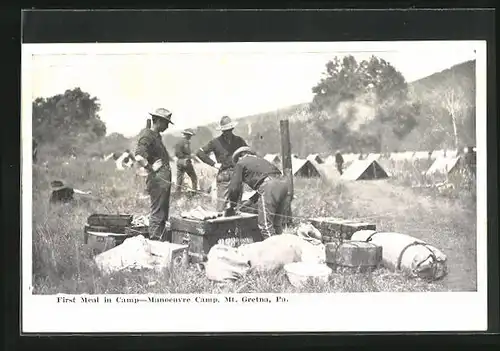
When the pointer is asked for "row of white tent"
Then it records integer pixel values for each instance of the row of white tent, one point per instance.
(357, 168)
(394, 156)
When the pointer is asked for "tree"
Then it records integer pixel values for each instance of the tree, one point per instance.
(72, 115)
(369, 99)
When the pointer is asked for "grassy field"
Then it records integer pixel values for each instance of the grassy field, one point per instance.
(63, 264)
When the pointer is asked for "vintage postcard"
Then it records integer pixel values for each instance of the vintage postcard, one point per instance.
(254, 187)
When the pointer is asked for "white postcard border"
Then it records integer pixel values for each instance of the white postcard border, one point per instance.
(457, 311)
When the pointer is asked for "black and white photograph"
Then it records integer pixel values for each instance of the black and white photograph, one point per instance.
(244, 179)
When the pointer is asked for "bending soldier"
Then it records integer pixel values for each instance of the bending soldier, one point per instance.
(270, 186)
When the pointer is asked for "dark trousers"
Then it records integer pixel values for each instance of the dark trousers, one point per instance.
(223, 179)
(339, 168)
(158, 186)
(272, 206)
(221, 196)
(185, 167)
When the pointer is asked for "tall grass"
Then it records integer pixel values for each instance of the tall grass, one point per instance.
(63, 264)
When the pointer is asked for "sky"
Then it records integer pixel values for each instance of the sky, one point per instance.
(200, 84)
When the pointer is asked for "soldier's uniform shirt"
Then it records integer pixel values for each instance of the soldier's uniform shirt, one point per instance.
(223, 150)
(158, 184)
(151, 147)
(272, 191)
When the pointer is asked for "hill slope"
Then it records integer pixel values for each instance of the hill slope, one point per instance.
(311, 135)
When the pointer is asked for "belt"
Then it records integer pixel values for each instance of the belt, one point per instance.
(267, 179)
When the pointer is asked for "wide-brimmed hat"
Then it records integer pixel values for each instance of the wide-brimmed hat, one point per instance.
(188, 131)
(57, 185)
(226, 123)
(162, 113)
(241, 150)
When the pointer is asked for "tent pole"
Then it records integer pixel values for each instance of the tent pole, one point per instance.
(286, 157)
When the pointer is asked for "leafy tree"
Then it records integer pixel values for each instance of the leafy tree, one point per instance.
(368, 102)
(73, 115)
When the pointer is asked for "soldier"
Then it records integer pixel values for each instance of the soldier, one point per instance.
(339, 160)
(270, 186)
(35, 150)
(184, 163)
(153, 156)
(223, 148)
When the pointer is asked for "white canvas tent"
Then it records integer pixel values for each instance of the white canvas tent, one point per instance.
(350, 157)
(315, 158)
(367, 169)
(330, 160)
(273, 158)
(125, 160)
(304, 168)
(421, 155)
(437, 154)
(444, 166)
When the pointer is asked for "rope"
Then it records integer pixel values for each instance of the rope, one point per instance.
(415, 243)
(223, 199)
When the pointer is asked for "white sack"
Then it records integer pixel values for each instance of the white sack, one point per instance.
(278, 250)
(418, 259)
(136, 253)
(225, 264)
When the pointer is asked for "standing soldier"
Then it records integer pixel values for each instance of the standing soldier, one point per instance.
(184, 163)
(223, 148)
(35, 150)
(339, 160)
(153, 156)
(270, 186)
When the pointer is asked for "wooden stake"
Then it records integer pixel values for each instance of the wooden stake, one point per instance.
(286, 157)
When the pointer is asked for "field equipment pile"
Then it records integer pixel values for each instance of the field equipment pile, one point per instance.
(230, 247)
(227, 263)
(405, 253)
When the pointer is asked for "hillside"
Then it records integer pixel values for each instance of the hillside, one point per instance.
(433, 131)
(312, 135)
(435, 128)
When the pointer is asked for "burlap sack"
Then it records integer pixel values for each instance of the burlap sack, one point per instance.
(403, 252)
(276, 251)
(225, 263)
(133, 253)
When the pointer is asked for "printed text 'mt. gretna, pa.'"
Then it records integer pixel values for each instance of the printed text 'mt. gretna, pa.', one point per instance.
(163, 299)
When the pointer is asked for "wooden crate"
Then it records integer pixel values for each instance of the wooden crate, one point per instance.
(110, 220)
(101, 238)
(353, 254)
(338, 228)
(200, 235)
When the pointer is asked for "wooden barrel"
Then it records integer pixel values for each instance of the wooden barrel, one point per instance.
(353, 254)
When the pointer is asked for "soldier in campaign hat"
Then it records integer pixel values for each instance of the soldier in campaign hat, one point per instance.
(223, 148)
(152, 154)
(271, 190)
(184, 162)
